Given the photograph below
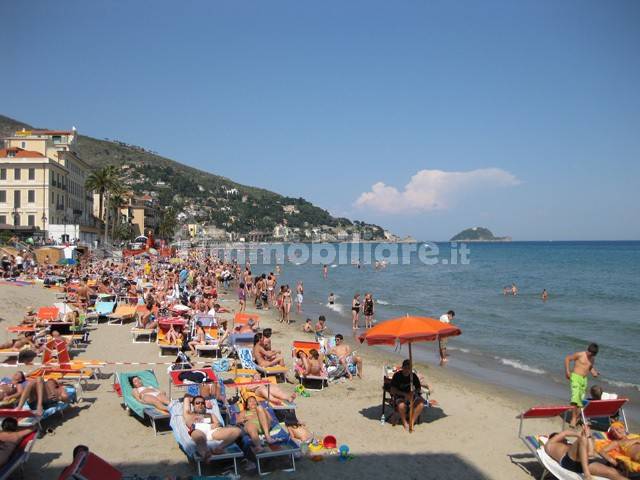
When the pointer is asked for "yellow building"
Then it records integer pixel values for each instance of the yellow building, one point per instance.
(42, 186)
(141, 212)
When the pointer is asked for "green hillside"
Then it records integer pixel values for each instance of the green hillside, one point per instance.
(204, 196)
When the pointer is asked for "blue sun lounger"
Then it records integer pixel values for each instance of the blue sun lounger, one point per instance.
(188, 446)
(141, 410)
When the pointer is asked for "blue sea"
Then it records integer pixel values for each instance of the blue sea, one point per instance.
(514, 341)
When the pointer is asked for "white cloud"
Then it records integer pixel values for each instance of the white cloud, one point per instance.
(431, 190)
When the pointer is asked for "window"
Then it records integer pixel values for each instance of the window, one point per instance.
(16, 219)
(31, 196)
(16, 174)
(3, 197)
(16, 198)
(3, 173)
(3, 219)
(31, 220)
(24, 145)
(53, 199)
(32, 174)
(57, 139)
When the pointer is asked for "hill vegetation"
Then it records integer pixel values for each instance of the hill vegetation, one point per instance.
(201, 196)
(478, 234)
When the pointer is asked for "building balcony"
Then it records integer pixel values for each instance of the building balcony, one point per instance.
(60, 207)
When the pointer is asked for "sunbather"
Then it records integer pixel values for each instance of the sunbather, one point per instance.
(621, 444)
(21, 341)
(272, 391)
(12, 391)
(149, 395)
(264, 357)
(255, 421)
(205, 429)
(40, 395)
(199, 338)
(174, 337)
(576, 456)
(10, 437)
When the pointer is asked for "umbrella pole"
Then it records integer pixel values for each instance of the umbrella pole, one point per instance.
(410, 390)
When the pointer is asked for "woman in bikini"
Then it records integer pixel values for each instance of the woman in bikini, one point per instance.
(286, 304)
(255, 421)
(368, 311)
(355, 311)
(199, 338)
(272, 392)
(149, 395)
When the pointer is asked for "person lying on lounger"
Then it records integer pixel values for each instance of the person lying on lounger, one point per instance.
(255, 421)
(40, 395)
(263, 356)
(21, 341)
(577, 456)
(272, 391)
(149, 395)
(204, 428)
(10, 437)
(12, 391)
(627, 445)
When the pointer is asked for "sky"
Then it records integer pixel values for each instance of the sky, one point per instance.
(425, 117)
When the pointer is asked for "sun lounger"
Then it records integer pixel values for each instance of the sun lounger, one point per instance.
(242, 318)
(122, 312)
(138, 331)
(605, 409)
(176, 378)
(88, 466)
(535, 444)
(166, 348)
(19, 456)
(101, 310)
(188, 446)
(245, 355)
(133, 406)
(242, 382)
(310, 380)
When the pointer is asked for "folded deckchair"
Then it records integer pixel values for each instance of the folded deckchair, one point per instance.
(64, 360)
(122, 312)
(245, 355)
(19, 456)
(310, 380)
(535, 444)
(133, 406)
(188, 446)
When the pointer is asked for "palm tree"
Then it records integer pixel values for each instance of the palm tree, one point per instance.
(168, 223)
(103, 181)
(116, 201)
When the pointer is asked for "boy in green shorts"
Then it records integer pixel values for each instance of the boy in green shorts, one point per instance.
(583, 364)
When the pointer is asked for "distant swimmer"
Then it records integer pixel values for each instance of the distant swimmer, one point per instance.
(545, 295)
(331, 299)
(278, 269)
(325, 271)
(514, 289)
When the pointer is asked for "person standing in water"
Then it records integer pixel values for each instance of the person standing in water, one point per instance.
(442, 342)
(355, 311)
(299, 297)
(331, 299)
(514, 289)
(545, 295)
(368, 310)
(325, 271)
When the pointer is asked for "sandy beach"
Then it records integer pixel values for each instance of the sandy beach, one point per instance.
(471, 435)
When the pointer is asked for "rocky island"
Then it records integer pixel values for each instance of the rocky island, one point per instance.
(478, 234)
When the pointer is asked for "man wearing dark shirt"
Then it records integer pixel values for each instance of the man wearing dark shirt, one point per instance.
(401, 390)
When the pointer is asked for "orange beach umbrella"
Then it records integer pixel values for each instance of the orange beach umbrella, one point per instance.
(408, 329)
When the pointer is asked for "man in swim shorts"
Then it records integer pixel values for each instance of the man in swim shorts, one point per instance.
(583, 364)
(206, 430)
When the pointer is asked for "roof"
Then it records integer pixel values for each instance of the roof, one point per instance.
(44, 132)
(20, 153)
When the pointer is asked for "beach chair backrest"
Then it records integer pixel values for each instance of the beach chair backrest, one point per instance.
(545, 411)
(105, 308)
(241, 318)
(245, 355)
(89, 466)
(63, 353)
(48, 313)
(603, 408)
(175, 375)
(205, 320)
(304, 346)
